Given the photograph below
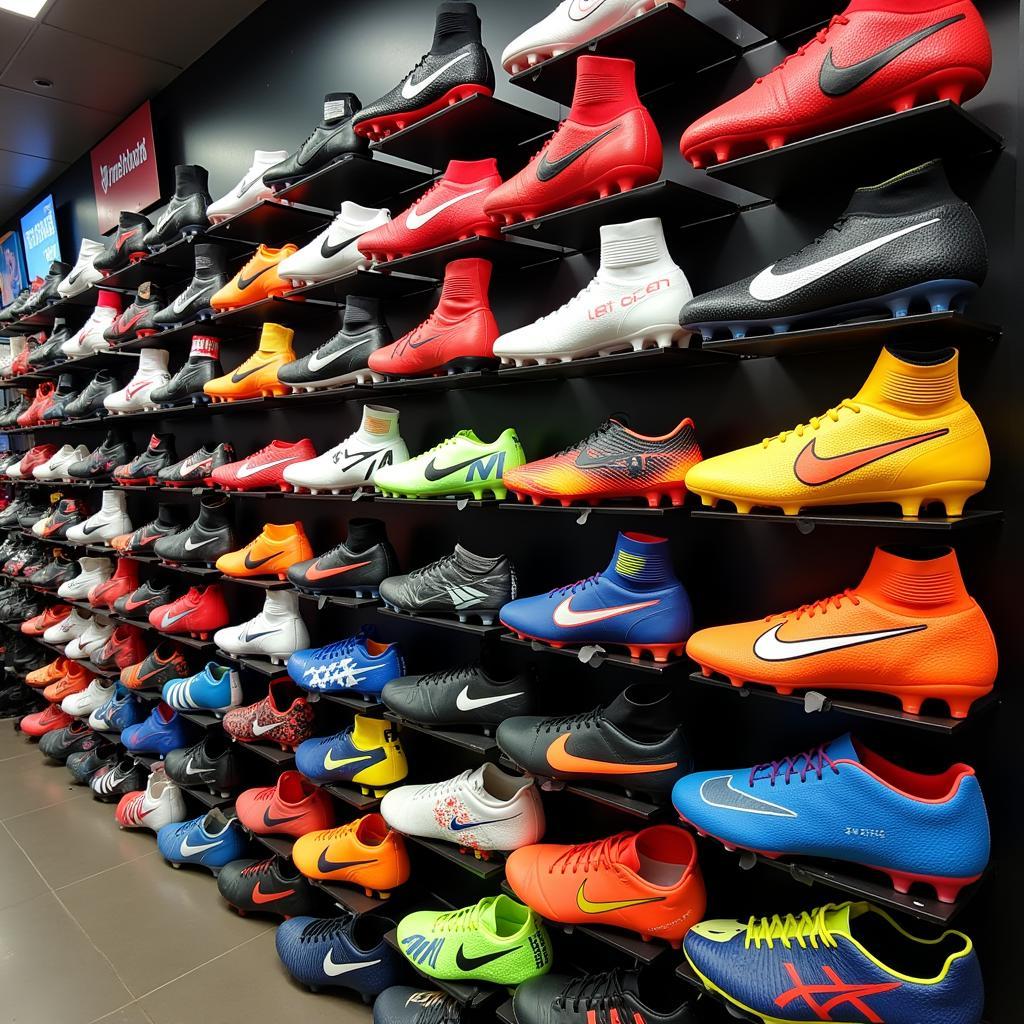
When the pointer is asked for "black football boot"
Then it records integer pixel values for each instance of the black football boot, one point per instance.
(60, 570)
(211, 275)
(48, 293)
(144, 468)
(140, 602)
(49, 351)
(100, 462)
(90, 401)
(285, 891)
(166, 524)
(128, 241)
(185, 214)
(356, 566)
(206, 539)
(12, 312)
(197, 468)
(137, 320)
(202, 365)
(211, 764)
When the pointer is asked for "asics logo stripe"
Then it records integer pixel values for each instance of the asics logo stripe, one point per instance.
(769, 647)
(814, 470)
(719, 792)
(417, 220)
(567, 618)
(410, 89)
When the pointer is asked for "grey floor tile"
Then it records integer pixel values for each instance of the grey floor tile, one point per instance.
(13, 744)
(19, 881)
(28, 783)
(128, 1015)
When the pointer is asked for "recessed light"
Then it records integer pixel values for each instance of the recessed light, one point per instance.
(28, 8)
(43, 83)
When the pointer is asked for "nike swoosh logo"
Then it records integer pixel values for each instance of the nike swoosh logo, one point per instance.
(259, 896)
(318, 363)
(126, 325)
(187, 848)
(466, 703)
(237, 378)
(433, 472)
(325, 864)
(330, 763)
(333, 969)
(417, 220)
(189, 546)
(720, 792)
(250, 564)
(189, 770)
(562, 760)
(262, 730)
(249, 637)
(130, 606)
(87, 530)
(768, 646)
(246, 470)
(458, 826)
(583, 9)
(192, 467)
(838, 81)
(607, 906)
(246, 185)
(244, 282)
(814, 470)
(274, 822)
(169, 620)
(425, 341)
(327, 250)
(119, 244)
(548, 169)
(470, 963)
(565, 617)
(768, 286)
(410, 89)
(314, 574)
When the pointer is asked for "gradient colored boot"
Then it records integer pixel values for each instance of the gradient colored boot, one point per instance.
(271, 553)
(256, 281)
(258, 374)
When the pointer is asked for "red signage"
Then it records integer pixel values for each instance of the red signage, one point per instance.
(124, 174)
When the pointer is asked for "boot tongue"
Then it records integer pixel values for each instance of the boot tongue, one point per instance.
(339, 105)
(628, 854)
(635, 711)
(843, 749)
(838, 920)
(469, 435)
(915, 584)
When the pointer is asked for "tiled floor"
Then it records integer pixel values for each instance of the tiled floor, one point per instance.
(95, 926)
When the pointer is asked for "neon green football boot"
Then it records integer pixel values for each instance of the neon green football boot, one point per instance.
(498, 940)
(460, 465)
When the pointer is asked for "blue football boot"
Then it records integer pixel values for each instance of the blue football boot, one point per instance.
(215, 688)
(369, 754)
(831, 964)
(119, 712)
(211, 840)
(921, 828)
(359, 664)
(636, 603)
(165, 730)
(341, 952)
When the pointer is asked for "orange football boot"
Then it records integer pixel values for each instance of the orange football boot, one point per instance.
(258, 374)
(647, 882)
(49, 673)
(269, 554)
(364, 853)
(292, 807)
(257, 280)
(75, 680)
(161, 665)
(39, 624)
(910, 629)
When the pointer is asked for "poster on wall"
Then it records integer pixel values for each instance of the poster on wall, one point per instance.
(124, 172)
(39, 233)
(12, 268)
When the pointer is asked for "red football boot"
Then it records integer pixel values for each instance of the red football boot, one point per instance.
(38, 456)
(293, 807)
(264, 470)
(450, 210)
(46, 721)
(876, 57)
(199, 612)
(42, 400)
(19, 364)
(458, 335)
(125, 647)
(283, 717)
(39, 624)
(124, 581)
(607, 144)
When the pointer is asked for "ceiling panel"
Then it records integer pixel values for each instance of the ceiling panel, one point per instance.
(19, 170)
(13, 30)
(49, 128)
(11, 200)
(86, 72)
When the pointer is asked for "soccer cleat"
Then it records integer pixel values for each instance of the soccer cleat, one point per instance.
(331, 140)
(909, 629)
(198, 467)
(369, 753)
(831, 963)
(202, 366)
(101, 753)
(498, 940)
(459, 465)
(165, 730)
(877, 57)
(456, 67)
(141, 601)
(402, 1004)
(211, 841)
(143, 540)
(204, 540)
(608, 143)
(335, 251)
(90, 400)
(163, 663)
(215, 688)
(120, 712)
(101, 462)
(39, 624)
(270, 553)
(258, 374)
(56, 466)
(632, 742)
(49, 673)
(124, 647)
(264, 470)
(199, 612)
(60, 744)
(466, 696)
(137, 320)
(136, 395)
(185, 213)
(211, 274)
(250, 189)
(259, 279)
(160, 803)
(636, 603)
(275, 633)
(907, 437)
(34, 415)
(365, 853)
(614, 462)
(631, 304)
(462, 584)
(124, 580)
(145, 468)
(271, 886)
(65, 394)
(342, 359)
(114, 781)
(479, 810)
(291, 807)
(931, 829)
(353, 462)
(359, 664)
(283, 717)
(457, 336)
(110, 521)
(211, 764)
(356, 566)
(647, 882)
(89, 338)
(127, 244)
(91, 640)
(47, 292)
(73, 626)
(39, 723)
(35, 457)
(84, 274)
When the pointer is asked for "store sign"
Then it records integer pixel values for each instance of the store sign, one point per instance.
(39, 232)
(124, 172)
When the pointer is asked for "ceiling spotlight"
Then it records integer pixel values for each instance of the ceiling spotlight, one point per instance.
(28, 8)
(43, 83)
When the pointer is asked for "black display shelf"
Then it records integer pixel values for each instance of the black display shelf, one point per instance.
(579, 227)
(459, 503)
(182, 335)
(591, 655)
(485, 869)
(264, 666)
(483, 746)
(370, 283)
(642, 807)
(443, 382)
(269, 752)
(667, 44)
(347, 899)
(67, 308)
(814, 701)
(208, 799)
(112, 359)
(146, 760)
(180, 254)
(506, 1014)
(472, 129)
(289, 312)
(438, 622)
(650, 360)
(271, 222)
(863, 154)
(507, 252)
(362, 802)
(361, 704)
(338, 601)
(280, 846)
(807, 521)
(780, 18)
(583, 512)
(172, 265)
(271, 584)
(204, 719)
(932, 330)
(360, 178)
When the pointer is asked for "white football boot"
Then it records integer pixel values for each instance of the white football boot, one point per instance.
(56, 467)
(632, 303)
(334, 251)
(94, 571)
(92, 638)
(354, 461)
(70, 627)
(84, 703)
(111, 521)
(161, 804)
(18, 345)
(6, 358)
(250, 189)
(572, 23)
(135, 395)
(89, 339)
(483, 809)
(13, 471)
(84, 275)
(276, 633)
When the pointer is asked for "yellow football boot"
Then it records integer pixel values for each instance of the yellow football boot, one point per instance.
(269, 554)
(258, 374)
(906, 437)
(369, 754)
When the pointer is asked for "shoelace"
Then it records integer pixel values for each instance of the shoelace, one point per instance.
(590, 991)
(433, 568)
(814, 423)
(819, 607)
(261, 867)
(324, 928)
(602, 853)
(450, 675)
(330, 834)
(593, 438)
(812, 762)
(466, 919)
(809, 927)
(574, 588)
(344, 648)
(439, 789)
(819, 37)
(577, 720)
(250, 363)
